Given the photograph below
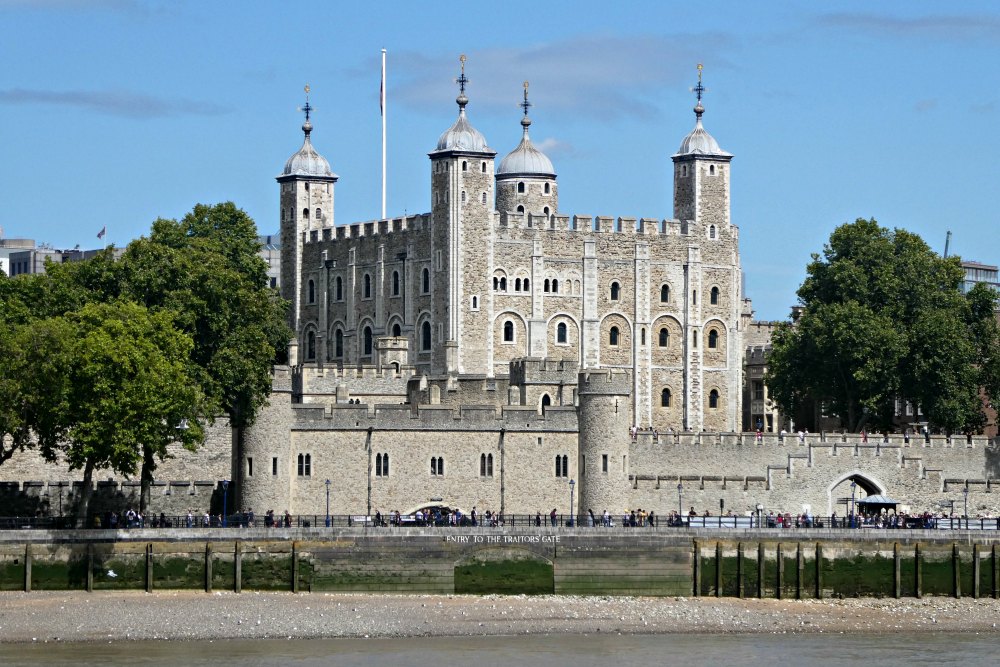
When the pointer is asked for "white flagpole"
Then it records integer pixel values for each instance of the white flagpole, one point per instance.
(382, 104)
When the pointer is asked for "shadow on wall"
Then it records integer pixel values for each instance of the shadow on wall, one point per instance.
(993, 459)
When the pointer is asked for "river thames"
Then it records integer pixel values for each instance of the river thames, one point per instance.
(537, 650)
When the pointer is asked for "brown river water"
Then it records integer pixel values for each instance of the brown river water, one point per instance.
(535, 650)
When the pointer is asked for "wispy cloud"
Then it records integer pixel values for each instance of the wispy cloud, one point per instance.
(941, 26)
(112, 102)
(556, 148)
(986, 108)
(926, 104)
(595, 76)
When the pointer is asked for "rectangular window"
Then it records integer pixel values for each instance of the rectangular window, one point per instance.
(758, 391)
(249, 466)
(604, 462)
(274, 465)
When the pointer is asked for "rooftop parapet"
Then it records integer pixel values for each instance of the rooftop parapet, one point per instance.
(432, 418)
(535, 370)
(587, 224)
(367, 229)
(610, 382)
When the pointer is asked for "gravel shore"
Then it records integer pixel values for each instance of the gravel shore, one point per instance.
(187, 615)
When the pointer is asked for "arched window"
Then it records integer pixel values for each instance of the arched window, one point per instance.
(319, 214)
(465, 166)
(545, 210)
(546, 285)
(483, 167)
(368, 286)
(489, 465)
(714, 296)
(437, 465)
(340, 289)
(425, 336)
(561, 332)
(713, 398)
(664, 293)
(711, 232)
(463, 196)
(642, 340)
(520, 188)
(711, 169)
(426, 281)
(508, 332)
(484, 197)
(397, 330)
(503, 284)
(555, 284)
(694, 338)
(482, 465)
(694, 297)
(305, 465)
(378, 465)
(310, 345)
(713, 339)
(517, 284)
(616, 291)
(665, 398)
(368, 342)
(548, 188)
(526, 285)
(385, 464)
(664, 337)
(305, 213)
(613, 338)
(475, 302)
(496, 283)
(520, 209)
(395, 283)
(312, 292)
(546, 401)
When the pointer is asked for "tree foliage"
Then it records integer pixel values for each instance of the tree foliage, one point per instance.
(883, 319)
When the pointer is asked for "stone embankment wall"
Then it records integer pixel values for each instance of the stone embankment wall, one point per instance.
(761, 563)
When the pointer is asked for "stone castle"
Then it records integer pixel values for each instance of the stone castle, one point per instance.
(495, 349)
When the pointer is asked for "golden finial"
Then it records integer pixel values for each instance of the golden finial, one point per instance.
(700, 67)
(461, 81)
(307, 86)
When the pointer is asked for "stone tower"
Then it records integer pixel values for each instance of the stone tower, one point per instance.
(306, 186)
(460, 264)
(605, 416)
(526, 181)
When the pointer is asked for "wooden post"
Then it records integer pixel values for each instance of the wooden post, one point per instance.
(90, 567)
(917, 572)
(149, 568)
(208, 567)
(819, 571)
(295, 568)
(760, 569)
(238, 567)
(956, 571)
(718, 569)
(800, 564)
(696, 573)
(996, 572)
(739, 570)
(781, 571)
(975, 571)
(897, 588)
(27, 568)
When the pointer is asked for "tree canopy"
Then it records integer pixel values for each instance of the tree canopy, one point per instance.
(883, 319)
(108, 356)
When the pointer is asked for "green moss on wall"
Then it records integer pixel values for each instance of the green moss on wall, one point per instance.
(510, 577)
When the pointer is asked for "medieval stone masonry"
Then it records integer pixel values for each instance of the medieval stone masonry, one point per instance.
(490, 351)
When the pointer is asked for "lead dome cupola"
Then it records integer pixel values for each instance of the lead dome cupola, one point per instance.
(307, 161)
(699, 141)
(462, 136)
(526, 159)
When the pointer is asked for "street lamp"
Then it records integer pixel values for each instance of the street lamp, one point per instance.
(225, 498)
(572, 485)
(680, 501)
(854, 519)
(327, 503)
(965, 493)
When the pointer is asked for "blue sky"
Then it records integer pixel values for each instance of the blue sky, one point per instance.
(115, 112)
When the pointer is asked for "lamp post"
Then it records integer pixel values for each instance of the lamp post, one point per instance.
(965, 493)
(854, 519)
(680, 501)
(327, 503)
(760, 515)
(225, 499)
(572, 485)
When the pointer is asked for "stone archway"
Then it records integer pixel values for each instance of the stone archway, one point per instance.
(839, 492)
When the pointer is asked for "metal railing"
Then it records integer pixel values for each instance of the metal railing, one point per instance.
(389, 521)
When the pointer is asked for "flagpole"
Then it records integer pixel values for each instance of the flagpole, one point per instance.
(382, 94)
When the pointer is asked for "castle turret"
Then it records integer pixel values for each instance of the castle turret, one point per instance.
(701, 174)
(526, 181)
(460, 266)
(306, 185)
(605, 416)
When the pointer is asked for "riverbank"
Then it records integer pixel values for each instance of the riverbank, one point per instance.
(184, 615)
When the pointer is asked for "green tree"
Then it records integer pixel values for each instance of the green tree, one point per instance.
(127, 389)
(883, 319)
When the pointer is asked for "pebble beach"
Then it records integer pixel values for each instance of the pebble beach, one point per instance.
(188, 615)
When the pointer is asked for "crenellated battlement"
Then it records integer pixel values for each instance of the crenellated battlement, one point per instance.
(371, 228)
(390, 417)
(587, 224)
(532, 370)
(610, 382)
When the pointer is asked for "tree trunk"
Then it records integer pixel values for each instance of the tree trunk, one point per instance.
(148, 466)
(85, 492)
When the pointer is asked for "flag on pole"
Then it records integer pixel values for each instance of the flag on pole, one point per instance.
(104, 230)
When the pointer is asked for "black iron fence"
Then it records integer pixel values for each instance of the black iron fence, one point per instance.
(392, 521)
